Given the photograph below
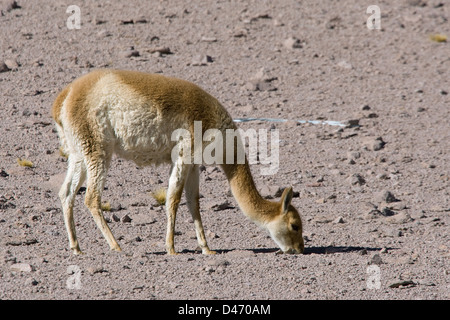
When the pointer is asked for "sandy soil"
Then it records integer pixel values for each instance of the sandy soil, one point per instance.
(374, 198)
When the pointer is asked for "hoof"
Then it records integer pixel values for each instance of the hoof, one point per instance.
(117, 249)
(207, 251)
(77, 251)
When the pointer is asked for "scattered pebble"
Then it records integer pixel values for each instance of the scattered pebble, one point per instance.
(160, 51)
(125, 219)
(211, 235)
(402, 284)
(376, 259)
(208, 39)
(356, 179)
(10, 5)
(345, 65)
(3, 67)
(201, 60)
(373, 143)
(399, 218)
(292, 43)
(222, 206)
(271, 192)
(21, 267)
(339, 220)
(31, 282)
(129, 53)
(385, 196)
(94, 270)
(387, 212)
(261, 81)
(11, 64)
(142, 219)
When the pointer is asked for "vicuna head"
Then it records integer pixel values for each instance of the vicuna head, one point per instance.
(286, 228)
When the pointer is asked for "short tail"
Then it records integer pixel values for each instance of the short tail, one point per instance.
(56, 114)
(57, 105)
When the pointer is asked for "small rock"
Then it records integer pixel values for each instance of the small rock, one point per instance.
(115, 218)
(292, 43)
(94, 270)
(21, 267)
(356, 179)
(140, 20)
(218, 263)
(417, 3)
(400, 218)
(31, 282)
(373, 143)
(427, 283)
(104, 33)
(333, 23)
(373, 214)
(345, 65)
(387, 212)
(4, 67)
(11, 64)
(126, 219)
(240, 33)
(257, 85)
(211, 235)
(385, 196)
(351, 123)
(10, 5)
(129, 53)
(222, 206)
(208, 39)
(142, 219)
(160, 50)
(201, 60)
(130, 21)
(270, 192)
(353, 155)
(376, 259)
(402, 284)
(384, 250)
(339, 220)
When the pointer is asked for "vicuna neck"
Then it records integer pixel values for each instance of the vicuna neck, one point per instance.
(244, 191)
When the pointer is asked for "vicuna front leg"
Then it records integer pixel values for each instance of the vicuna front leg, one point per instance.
(96, 180)
(192, 198)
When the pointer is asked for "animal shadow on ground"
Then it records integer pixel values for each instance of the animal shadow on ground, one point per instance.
(308, 250)
(321, 250)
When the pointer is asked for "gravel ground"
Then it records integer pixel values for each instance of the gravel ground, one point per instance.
(373, 196)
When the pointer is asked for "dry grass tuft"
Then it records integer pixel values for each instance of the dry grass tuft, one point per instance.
(160, 196)
(106, 206)
(24, 163)
(438, 37)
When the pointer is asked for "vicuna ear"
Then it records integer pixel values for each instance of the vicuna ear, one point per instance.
(286, 198)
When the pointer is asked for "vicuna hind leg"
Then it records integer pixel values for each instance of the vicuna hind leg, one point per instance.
(178, 174)
(76, 175)
(192, 198)
(96, 176)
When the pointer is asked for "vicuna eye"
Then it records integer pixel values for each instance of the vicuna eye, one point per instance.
(295, 227)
